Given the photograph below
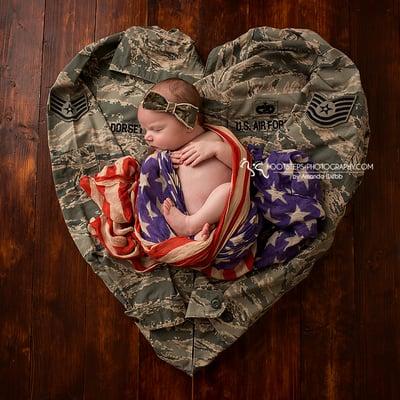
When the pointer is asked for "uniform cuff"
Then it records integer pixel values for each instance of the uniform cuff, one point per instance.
(159, 314)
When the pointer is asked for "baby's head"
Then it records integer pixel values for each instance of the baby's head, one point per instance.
(163, 130)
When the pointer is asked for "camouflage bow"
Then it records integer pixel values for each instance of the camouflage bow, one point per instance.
(184, 112)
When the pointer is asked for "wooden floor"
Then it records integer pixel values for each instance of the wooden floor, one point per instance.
(63, 335)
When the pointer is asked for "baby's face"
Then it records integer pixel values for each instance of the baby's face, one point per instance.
(162, 130)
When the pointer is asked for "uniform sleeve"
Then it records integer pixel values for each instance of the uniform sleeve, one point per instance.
(150, 299)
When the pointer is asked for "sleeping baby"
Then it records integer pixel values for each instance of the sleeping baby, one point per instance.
(169, 114)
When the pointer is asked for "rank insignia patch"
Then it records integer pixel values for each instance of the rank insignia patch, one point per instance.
(69, 110)
(328, 113)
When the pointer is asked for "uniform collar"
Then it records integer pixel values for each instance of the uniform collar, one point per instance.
(153, 54)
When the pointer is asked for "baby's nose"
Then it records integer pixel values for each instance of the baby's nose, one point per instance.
(147, 136)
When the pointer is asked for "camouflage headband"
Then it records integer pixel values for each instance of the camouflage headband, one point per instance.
(184, 112)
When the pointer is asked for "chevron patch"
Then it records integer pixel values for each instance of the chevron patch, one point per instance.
(329, 113)
(69, 110)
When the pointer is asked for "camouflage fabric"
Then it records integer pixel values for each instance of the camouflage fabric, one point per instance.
(285, 88)
(184, 112)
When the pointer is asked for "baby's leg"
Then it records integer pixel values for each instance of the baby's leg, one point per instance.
(212, 208)
(210, 212)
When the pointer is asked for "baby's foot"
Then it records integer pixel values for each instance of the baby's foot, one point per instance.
(204, 233)
(178, 221)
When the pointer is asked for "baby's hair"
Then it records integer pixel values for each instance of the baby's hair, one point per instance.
(179, 91)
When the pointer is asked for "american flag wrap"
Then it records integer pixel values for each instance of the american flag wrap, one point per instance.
(268, 217)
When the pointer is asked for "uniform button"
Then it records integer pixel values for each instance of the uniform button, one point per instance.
(216, 303)
(227, 316)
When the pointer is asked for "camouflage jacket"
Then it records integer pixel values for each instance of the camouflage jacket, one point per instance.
(285, 88)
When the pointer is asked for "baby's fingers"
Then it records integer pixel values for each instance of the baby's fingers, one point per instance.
(198, 160)
(186, 149)
(175, 159)
(188, 154)
(191, 159)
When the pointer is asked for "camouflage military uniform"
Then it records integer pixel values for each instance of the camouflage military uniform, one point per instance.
(285, 88)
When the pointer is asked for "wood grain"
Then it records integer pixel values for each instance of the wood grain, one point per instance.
(327, 337)
(64, 336)
(21, 36)
(375, 45)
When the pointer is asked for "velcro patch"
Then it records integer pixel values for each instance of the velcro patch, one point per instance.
(69, 110)
(265, 107)
(329, 113)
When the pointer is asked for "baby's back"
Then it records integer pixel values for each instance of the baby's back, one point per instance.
(199, 181)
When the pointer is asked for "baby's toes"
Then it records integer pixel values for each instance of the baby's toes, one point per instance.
(165, 207)
(170, 202)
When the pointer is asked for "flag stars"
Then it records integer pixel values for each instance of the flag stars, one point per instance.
(143, 227)
(260, 196)
(309, 224)
(151, 213)
(297, 215)
(302, 177)
(276, 194)
(144, 180)
(273, 238)
(292, 241)
(267, 215)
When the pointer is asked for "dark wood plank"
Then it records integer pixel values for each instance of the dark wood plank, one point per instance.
(169, 14)
(328, 340)
(60, 276)
(21, 31)
(112, 339)
(261, 364)
(376, 47)
(219, 22)
(327, 343)
(111, 346)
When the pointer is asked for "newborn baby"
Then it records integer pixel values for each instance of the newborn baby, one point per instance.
(201, 158)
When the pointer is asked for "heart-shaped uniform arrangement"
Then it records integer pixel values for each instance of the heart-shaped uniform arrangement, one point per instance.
(282, 89)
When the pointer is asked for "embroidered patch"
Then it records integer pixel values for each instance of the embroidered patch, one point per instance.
(329, 113)
(125, 127)
(265, 107)
(257, 125)
(69, 110)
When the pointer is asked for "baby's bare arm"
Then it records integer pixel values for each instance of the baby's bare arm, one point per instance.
(224, 153)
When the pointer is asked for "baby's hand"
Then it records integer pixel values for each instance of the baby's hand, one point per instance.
(195, 152)
(176, 159)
